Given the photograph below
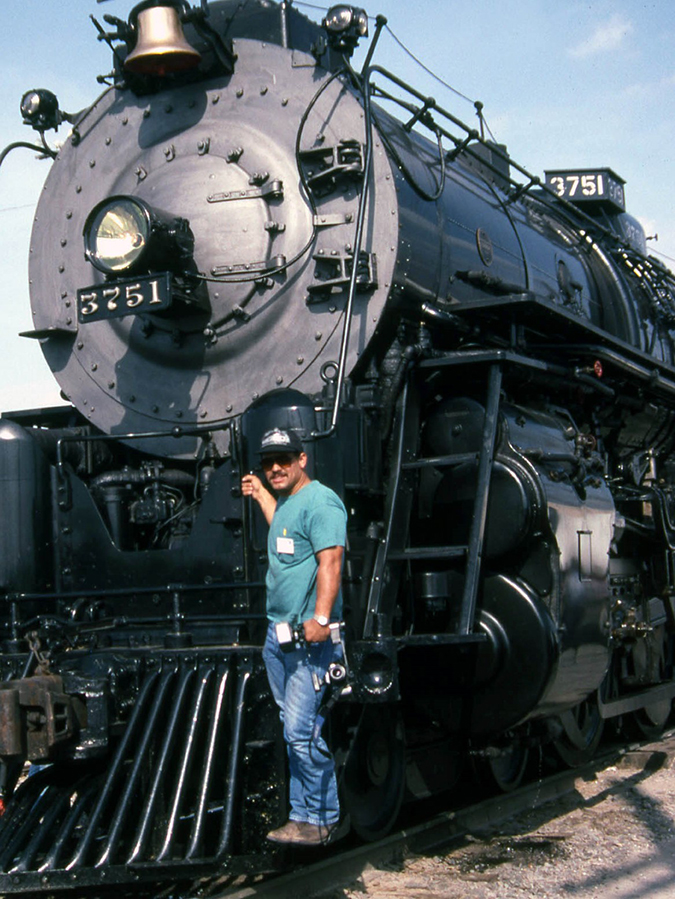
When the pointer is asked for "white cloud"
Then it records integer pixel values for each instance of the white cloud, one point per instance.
(649, 88)
(607, 36)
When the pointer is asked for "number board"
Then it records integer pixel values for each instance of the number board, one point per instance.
(586, 186)
(149, 293)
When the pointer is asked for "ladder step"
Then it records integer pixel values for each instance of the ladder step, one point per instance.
(441, 461)
(428, 552)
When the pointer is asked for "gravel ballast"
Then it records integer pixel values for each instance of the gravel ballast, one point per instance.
(613, 836)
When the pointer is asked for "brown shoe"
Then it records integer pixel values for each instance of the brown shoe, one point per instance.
(302, 833)
(317, 834)
(289, 833)
(310, 835)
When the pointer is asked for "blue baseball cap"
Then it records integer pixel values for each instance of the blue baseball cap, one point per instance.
(277, 440)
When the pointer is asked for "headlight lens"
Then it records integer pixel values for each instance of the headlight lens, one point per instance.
(339, 18)
(116, 234)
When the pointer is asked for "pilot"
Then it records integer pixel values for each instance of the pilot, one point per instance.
(305, 548)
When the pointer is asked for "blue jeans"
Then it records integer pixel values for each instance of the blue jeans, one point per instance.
(313, 788)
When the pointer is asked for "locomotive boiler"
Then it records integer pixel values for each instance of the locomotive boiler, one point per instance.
(243, 232)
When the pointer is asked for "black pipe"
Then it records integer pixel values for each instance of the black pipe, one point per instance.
(91, 830)
(161, 765)
(233, 767)
(184, 764)
(196, 836)
(149, 724)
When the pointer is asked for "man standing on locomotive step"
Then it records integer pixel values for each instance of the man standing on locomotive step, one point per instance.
(305, 548)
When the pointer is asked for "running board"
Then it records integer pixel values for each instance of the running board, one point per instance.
(636, 701)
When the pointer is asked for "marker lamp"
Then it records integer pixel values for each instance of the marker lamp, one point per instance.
(343, 18)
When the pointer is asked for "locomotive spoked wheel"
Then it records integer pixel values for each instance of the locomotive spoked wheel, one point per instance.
(647, 723)
(505, 772)
(374, 778)
(582, 732)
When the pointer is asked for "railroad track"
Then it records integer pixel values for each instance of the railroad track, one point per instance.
(312, 875)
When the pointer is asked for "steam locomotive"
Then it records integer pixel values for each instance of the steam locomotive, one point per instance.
(479, 362)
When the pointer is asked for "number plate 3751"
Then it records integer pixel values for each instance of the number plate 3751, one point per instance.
(150, 293)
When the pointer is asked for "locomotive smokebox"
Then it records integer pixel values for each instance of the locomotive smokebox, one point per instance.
(264, 288)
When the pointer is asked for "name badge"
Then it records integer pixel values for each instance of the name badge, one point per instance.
(285, 546)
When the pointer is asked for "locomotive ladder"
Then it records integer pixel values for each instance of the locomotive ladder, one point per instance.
(393, 549)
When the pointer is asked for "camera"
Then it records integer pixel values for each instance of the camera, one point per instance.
(287, 636)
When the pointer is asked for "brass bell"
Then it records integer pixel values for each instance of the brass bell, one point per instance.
(161, 46)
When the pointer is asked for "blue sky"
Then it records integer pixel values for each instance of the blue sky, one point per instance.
(565, 84)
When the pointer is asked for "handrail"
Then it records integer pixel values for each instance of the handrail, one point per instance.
(358, 239)
(547, 196)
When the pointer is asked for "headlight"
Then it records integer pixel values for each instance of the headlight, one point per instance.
(116, 234)
(125, 235)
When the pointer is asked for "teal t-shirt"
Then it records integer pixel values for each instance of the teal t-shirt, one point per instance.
(310, 520)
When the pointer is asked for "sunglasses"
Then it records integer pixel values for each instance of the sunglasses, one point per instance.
(284, 460)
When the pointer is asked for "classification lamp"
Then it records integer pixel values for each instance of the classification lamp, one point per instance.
(40, 110)
(345, 25)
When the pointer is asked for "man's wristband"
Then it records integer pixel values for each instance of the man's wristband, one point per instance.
(322, 620)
